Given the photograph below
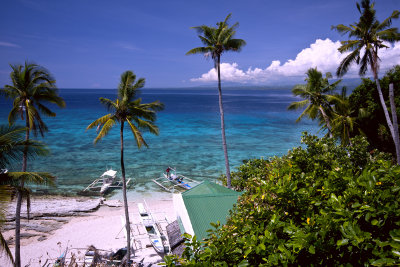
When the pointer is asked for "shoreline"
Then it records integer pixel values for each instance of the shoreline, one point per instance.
(49, 232)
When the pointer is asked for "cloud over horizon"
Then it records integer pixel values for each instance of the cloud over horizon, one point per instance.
(7, 44)
(322, 54)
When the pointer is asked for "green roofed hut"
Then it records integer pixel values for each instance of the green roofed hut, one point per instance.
(201, 205)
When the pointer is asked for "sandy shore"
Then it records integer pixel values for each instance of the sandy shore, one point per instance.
(101, 228)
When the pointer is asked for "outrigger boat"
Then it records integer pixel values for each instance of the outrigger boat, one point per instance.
(157, 238)
(105, 183)
(177, 180)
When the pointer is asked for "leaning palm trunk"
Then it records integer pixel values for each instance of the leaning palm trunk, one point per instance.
(127, 223)
(387, 116)
(395, 124)
(328, 124)
(221, 110)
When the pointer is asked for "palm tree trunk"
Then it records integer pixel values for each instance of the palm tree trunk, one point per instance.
(19, 198)
(127, 223)
(395, 124)
(18, 227)
(387, 116)
(221, 111)
(328, 124)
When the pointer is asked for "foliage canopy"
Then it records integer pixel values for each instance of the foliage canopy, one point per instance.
(325, 205)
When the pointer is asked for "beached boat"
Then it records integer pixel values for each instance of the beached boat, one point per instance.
(153, 229)
(107, 181)
(177, 180)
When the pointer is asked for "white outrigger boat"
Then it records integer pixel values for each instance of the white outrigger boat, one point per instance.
(157, 238)
(105, 183)
(177, 180)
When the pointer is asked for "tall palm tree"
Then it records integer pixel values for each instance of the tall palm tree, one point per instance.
(32, 86)
(369, 36)
(12, 147)
(316, 93)
(127, 108)
(217, 41)
(345, 117)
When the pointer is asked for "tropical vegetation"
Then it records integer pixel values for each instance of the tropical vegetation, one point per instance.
(324, 204)
(218, 40)
(139, 117)
(32, 87)
(12, 147)
(370, 36)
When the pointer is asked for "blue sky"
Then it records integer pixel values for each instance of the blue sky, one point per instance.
(88, 44)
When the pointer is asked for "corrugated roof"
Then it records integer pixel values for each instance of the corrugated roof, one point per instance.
(176, 241)
(208, 202)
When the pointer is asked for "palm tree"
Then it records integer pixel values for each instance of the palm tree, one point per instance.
(12, 147)
(345, 117)
(316, 93)
(32, 86)
(139, 116)
(217, 41)
(369, 36)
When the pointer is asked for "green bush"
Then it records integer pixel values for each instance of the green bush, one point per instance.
(322, 205)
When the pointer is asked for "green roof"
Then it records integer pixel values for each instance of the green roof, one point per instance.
(208, 202)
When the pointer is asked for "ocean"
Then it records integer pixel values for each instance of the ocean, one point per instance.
(258, 124)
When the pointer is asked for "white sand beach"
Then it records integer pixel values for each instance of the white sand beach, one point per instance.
(101, 228)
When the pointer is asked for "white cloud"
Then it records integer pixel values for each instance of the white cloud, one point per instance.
(8, 44)
(126, 46)
(322, 54)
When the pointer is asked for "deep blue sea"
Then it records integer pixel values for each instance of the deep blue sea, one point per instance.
(257, 125)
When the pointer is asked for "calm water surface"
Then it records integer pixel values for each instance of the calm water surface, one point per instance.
(257, 125)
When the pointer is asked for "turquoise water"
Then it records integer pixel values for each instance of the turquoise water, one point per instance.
(257, 125)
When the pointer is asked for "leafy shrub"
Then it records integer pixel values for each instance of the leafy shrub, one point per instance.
(323, 205)
(250, 169)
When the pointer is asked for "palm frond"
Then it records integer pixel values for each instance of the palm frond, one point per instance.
(12, 116)
(45, 110)
(306, 112)
(346, 63)
(389, 35)
(365, 61)
(106, 128)
(199, 50)
(147, 126)
(298, 105)
(350, 45)
(5, 250)
(137, 135)
(235, 44)
(39, 178)
(13, 145)
(342, 29)
(110, 105)
(388, 21)
(300, 90)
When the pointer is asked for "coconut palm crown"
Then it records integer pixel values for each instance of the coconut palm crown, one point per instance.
(316, 94)
(368, 36)
(218, 40)
(32, 86)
